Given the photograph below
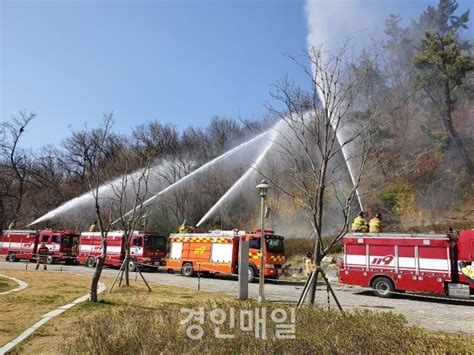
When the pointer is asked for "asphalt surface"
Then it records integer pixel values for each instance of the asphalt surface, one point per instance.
(454, 316)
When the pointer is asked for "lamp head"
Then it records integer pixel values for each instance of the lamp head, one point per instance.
(262, 187)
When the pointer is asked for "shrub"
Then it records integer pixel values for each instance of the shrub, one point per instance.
(398, 197)
(131, 330)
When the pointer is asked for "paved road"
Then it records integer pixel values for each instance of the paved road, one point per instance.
(446, 315)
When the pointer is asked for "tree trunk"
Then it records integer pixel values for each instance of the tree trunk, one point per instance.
(20, 198)
(456, 141)
(98, 271)
(127, 239)
(127, 271)
(318, 218)
(317, 266)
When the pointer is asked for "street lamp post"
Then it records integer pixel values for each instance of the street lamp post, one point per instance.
(263, 189)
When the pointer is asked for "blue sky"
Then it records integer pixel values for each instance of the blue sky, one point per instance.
(180, 62)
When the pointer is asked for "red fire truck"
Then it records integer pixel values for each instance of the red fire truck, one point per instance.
(146, 248)
(23, 244)
(217, 252)
(435, 263)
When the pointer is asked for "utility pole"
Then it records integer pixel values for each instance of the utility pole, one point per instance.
(263, 189)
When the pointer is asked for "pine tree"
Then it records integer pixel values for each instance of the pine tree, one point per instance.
(443, 64)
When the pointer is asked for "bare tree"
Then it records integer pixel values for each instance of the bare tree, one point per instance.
(172, 170)
(130, 191)
(155, 138)
(96, 149)
(14, 159)
(315, 142)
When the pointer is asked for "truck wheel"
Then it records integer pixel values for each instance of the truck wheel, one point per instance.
(251, 274)
(383, 287)
(51, 259)
(11, 257)
(187, 270)
(90, 261)
(132, 265)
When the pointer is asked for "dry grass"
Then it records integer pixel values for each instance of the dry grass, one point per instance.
(7, 284)
(46, 291)
(133, 320)
(142, 329)
(51, 336)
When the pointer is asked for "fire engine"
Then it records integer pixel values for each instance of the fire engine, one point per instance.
(434, 263)
(23, 244)
(146, 248)
(217, 252)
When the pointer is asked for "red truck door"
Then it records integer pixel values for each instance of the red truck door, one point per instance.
(154, 249)
(136, 246)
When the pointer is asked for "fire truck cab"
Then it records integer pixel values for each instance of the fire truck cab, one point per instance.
(434, 263)
(23, 244)
(146, 249)
(217, 252)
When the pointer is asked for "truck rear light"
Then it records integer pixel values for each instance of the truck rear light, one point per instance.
(439, 279)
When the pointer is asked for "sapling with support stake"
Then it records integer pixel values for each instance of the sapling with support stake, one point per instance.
(131, 194)
(320, 143)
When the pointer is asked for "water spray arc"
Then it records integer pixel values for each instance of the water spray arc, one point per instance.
(197, 171)
(344, 146)
(348, 164)
(243, 178)
(84, 198)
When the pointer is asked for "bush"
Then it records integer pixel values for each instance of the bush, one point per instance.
(158, 330)
(398, 197)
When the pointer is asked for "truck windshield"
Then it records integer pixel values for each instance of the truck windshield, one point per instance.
(155, 242)
(274, 244)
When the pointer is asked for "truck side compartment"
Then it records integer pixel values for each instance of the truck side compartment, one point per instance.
(408, 262)
(217, 252)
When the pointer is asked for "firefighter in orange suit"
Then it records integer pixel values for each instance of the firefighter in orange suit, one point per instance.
(43, 252)
(94, 227)
(360, 225)
(12, 225)
(467, 270)
(308, 264)
(186, 227)
(375, 224)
